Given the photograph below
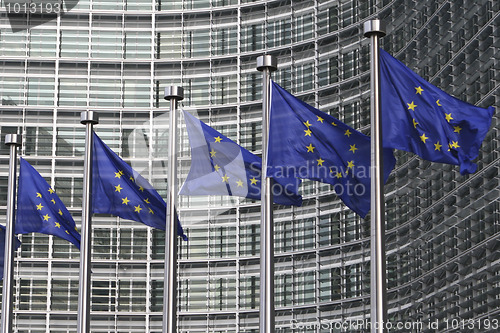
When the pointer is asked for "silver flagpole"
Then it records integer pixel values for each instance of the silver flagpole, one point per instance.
(375, 29)
(266, 64)
(89, 119)
(13, 141)
(173, 94)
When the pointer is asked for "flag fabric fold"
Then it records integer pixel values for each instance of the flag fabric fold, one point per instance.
(421, 118)
(219, 166)
(2, 248)
(309, 144)
(39, 209)
(119, 190)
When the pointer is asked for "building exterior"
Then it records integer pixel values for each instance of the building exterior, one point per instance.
(116, 57)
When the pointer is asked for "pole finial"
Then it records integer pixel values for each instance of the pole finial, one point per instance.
(174, 92)
(89, 117)
(374, 27)
(267, 61)
(13, 139)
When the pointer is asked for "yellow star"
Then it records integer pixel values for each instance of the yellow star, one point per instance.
(437, 146)
(76, 228)
(125, 201)
(118, 188)
(151, 211)
(218, 139)
(353, 148)
(308, 132)
(53, 201)
(419, 90)
(454, 144)
(438, 104)
(38, 195)
(39, 207)
(132, 179)
(51, 191)
(67, 231)
(348, 133)
(239, 183)
(212, 153)
(138, 208)
(46, 217)
(225, 178)
(338, 175)
(457, 129)
(118, 174)
(60, 212)
(57, 225)
(333, 123)
(423, 138)
(253, 181)
(307, 124)
(216, 167)
(350, 164)
(310, 148)
(415, 123)
(411, 106)
(320, 161)
(147, 200)
(448, 117)
(320, 119)
(141, 188)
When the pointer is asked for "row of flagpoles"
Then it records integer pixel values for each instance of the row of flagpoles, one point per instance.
(298, 142)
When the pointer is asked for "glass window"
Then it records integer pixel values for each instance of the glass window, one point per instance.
(137, 45)
(40, 91)
(74, 43)
(43, 42)
(107, 43)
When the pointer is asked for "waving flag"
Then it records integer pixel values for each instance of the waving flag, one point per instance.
(421, 118)
(119, 190)
(310, 144)
(219, 166)
(39, 209)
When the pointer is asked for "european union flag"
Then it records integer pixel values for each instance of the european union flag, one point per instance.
(307, 143)
(2, 248)
(119, 190)
(421, 118)
(219, 166)
(39, 209)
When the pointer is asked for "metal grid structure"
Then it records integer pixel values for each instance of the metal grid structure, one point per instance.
(115, 57)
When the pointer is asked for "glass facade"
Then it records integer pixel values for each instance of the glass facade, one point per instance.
(116, 57)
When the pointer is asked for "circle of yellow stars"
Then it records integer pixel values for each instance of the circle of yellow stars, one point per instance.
(448, 117)
(125, 200)
(320, 161)
(47, 216)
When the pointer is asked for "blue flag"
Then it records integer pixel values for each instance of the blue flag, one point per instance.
(421, 118)
(39, 209)
(307, 143)
(219, 166)
(2, 248)
(119, 190)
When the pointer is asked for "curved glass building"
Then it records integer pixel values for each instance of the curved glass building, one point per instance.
(116, 57)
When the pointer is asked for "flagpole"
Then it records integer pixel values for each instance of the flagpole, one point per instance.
(89, 119)
(375, 29)
(13, 141)
(173, 94)
(266, 64)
